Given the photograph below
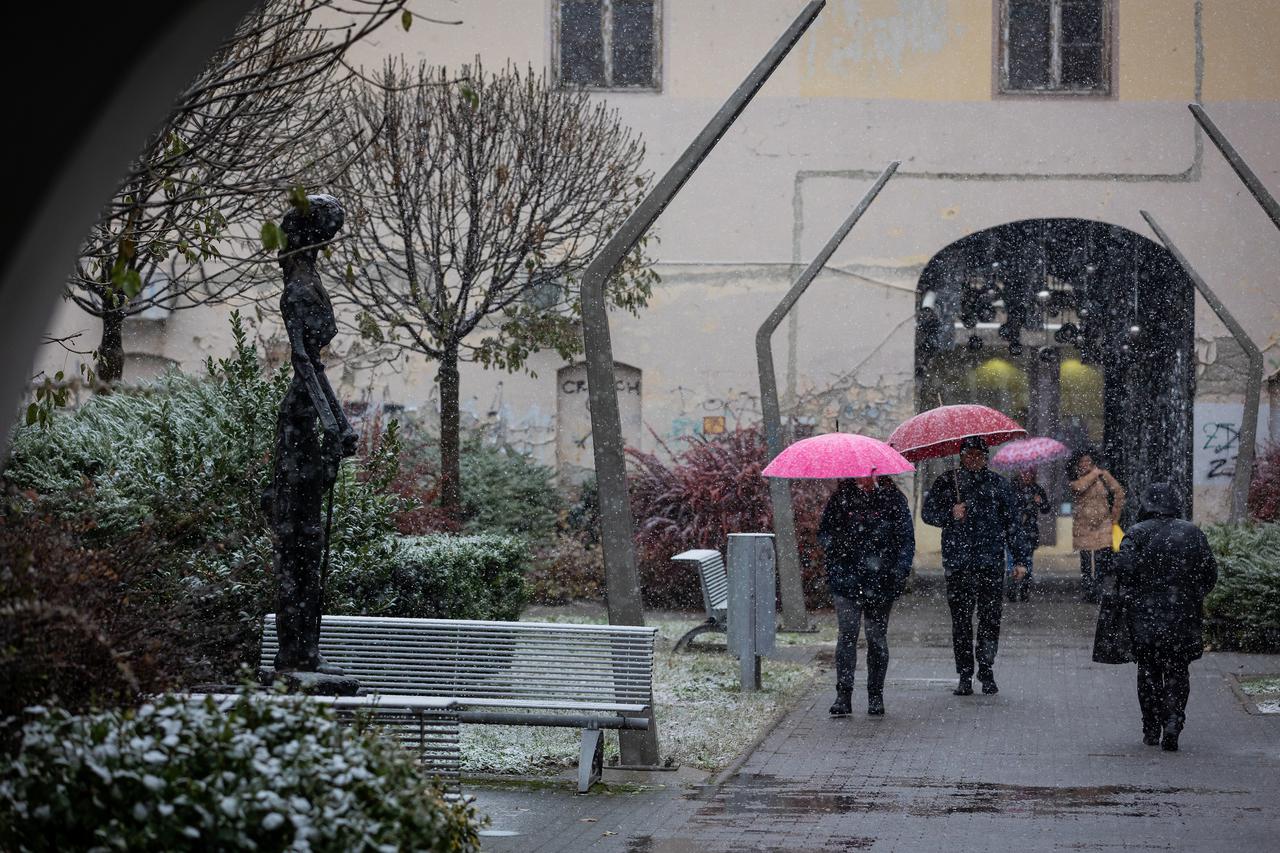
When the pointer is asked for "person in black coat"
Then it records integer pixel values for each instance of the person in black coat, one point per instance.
(869, 541)
(1165, 569)
(978, 514)
(1032, 501)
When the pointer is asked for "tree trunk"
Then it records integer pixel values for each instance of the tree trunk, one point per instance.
(111, 350)
(450, 423)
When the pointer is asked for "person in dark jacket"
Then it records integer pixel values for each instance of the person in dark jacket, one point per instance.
(1165, 569)
(978, 514)
(869, 541)
(1032, 501)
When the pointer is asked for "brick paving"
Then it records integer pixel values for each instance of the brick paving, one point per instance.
(1054, 762)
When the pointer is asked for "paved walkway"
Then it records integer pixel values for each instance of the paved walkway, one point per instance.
(1054, 762)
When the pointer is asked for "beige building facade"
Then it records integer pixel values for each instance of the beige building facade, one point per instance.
(1000, 112)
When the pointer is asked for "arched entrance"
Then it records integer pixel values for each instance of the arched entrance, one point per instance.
(1080, 330)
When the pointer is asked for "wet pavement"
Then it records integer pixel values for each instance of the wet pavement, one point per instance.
(1055, 761)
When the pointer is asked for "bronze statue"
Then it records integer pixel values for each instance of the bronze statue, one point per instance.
(306, 459)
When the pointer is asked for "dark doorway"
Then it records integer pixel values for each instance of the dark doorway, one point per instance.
(1080, 330)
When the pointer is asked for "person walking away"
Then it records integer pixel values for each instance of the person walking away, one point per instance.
(978, 514)
(1032, 501)
(869, 542)
(1165, 569)
(1097, 501)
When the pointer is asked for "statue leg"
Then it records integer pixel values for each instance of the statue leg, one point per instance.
(299, 529)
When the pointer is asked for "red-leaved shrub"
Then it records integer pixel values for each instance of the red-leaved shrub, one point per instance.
(415, 481)
(713, 488)
(85, 624)
(1264, 491)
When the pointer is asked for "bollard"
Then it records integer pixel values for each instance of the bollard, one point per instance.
(752, 602)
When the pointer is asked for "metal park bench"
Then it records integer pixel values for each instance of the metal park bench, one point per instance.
(590, 677)
(715, 592)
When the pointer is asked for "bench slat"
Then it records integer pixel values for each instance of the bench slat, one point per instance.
(714, 579)
(496, 664)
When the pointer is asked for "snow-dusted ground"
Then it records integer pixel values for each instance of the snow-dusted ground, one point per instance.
(1264, 691)
(704, 719)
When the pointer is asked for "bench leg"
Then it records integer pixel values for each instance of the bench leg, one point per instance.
(590, 759)
(683, 642)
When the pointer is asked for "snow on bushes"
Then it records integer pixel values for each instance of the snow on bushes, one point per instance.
(262, 774)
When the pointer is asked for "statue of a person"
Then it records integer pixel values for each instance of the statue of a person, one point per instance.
(306, 459)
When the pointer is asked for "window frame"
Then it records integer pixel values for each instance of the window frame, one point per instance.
(607, 50)
(1107, 65)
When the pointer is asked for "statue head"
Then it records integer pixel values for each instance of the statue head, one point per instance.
(313, 225)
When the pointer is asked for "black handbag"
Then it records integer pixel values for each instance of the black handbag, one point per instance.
(1112, 642)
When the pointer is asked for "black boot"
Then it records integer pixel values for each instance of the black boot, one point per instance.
(843, 706)
(1151, 735)
(965, 687)
(988, 680)
(875, 704)
(1169, 742)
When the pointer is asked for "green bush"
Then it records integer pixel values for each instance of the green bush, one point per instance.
(438, 576)
(183, 462)
(260, 775)
(567, 569)
(1243, 610)
(503, 491)
(507, 492)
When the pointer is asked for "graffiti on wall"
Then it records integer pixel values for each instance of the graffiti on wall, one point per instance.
(1216, 442)
(712, 411)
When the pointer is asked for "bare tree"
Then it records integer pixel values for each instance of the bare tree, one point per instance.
(475, 210)
(186, 226)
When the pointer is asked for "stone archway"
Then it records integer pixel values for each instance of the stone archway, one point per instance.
(1048, 318)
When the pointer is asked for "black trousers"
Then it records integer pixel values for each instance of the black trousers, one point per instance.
(979, 589)
(1163, 687)
(850, 613)
(1094, 566)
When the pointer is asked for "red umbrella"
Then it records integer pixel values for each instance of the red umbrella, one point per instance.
(1029, 452)
(837, 455)
(941, 431)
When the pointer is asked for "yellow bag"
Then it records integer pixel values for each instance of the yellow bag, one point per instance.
(1116, 536)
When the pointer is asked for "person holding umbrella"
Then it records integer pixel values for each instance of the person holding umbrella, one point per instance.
(978, 513)
(1032, 501)
(1023, 457)
(869, 542)
(867, 534)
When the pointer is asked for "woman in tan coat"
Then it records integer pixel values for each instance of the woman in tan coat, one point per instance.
(1097, 501)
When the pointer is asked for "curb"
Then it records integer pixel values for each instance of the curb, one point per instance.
(734, 766)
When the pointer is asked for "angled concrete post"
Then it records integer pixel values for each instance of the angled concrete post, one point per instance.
(622, 585)
(1243, 474)
(791, 589)
(1255, 186)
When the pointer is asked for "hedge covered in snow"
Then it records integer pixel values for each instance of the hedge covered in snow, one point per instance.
(260, 775)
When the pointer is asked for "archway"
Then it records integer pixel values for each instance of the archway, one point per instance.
(1081, 330)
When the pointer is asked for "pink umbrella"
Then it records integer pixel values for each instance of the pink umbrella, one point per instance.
(940, 432)
(837, 455)
(1030, 452)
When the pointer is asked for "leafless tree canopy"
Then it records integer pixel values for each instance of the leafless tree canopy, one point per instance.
(252, 126)
(473, 213)
(477, 207)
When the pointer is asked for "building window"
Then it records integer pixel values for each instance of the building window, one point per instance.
(608, 44)
(1055, 46)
